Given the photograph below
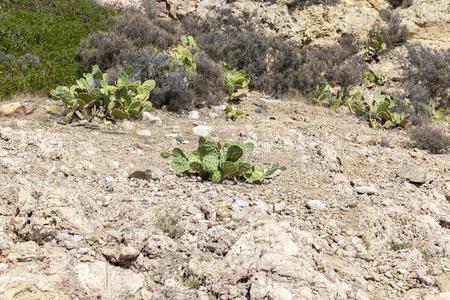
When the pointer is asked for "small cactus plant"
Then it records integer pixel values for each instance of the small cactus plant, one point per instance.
(216, 162)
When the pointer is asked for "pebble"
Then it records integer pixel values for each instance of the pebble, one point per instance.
(202, 130)
(6, 133)
(369, 190)
(144, 133)
(151, 118)
(315, 205)
(194, 115)
(427, 280)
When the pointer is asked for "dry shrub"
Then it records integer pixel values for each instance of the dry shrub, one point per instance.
(430, 137)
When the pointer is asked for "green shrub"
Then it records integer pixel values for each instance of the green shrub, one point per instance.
(93, 96)
(216, 162)
(39, 42)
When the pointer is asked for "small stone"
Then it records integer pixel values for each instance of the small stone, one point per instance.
(281, 293)
(122, 255)
(427, 280)
(202, 130)
(6, 133)
(10, 108)
(415, 175)
(445, 222)
(128, 125)
(144, 133)
(315, 205)
(194, 115)
(369, 190)
(151, 118)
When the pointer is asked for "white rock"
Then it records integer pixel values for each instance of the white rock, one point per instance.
(6, 133)
(144, 133)
(281, 293)
(151, 118)
(315, 205)
(111, 282)
(369, 190)
(128, 125)
(202, 130)
(194, 115)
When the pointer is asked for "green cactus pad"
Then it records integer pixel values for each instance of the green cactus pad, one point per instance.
(234, 153)
(229, 169)
(210, 163)
(180, 164)
(217, 176)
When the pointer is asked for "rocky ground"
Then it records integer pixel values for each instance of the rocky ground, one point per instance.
(359, 214)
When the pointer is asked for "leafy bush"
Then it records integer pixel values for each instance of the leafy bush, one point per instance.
(430, 137)
(40, 41)
(92, 96)
(185, 76)
(216, 162)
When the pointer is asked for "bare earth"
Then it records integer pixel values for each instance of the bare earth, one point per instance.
(74, 226)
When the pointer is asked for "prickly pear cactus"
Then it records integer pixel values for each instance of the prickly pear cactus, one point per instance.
(216, 162)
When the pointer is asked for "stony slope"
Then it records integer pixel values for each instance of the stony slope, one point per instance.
(74, 226)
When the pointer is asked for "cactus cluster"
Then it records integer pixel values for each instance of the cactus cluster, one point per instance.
(93, 96)
(216, 162)
(236, 83)
(381, 114)
(183, 53)
(373, 51)
(375, 77)
(378, 108)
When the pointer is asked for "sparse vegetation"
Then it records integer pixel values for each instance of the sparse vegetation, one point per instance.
(401, 246)
(431, 137)
(376, 77)
(169, 224)
(373, 51)
(193, 282)
(216, 162)
(233, 112)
